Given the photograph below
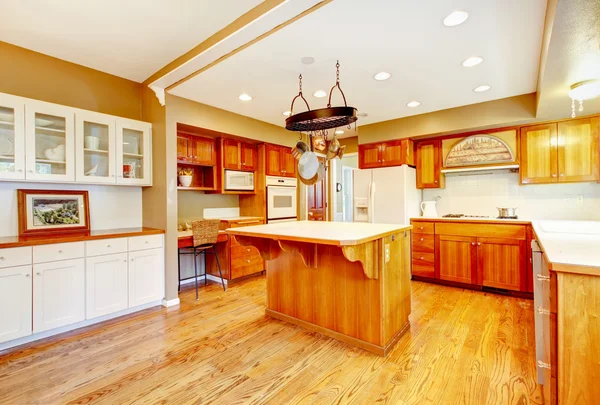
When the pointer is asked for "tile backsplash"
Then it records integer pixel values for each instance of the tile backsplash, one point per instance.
(480, 194)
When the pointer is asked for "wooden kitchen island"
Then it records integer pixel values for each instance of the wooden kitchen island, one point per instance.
(349, 281)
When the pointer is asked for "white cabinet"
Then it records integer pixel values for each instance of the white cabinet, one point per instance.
(146, 276)
(134, 152)
(106, 284)
(12, 137)
(50, 142)
(95, 148)
(15, 302)
(58, 294)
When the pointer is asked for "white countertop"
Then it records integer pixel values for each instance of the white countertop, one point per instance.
(328, 233)
(476, 219)
(570, 246)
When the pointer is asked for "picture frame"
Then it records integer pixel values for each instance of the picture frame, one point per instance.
(50, 212)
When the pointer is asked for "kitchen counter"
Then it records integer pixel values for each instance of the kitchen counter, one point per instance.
(518, 221)
(17, 241)
(349, 281)
(570, 246)
(327, 233)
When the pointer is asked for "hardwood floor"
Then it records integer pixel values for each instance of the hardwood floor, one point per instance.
(464, 347)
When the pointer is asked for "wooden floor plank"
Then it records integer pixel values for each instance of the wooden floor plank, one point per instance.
(463, 347)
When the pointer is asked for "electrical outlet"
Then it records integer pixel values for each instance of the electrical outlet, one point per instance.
(387, 252)
(580, 199)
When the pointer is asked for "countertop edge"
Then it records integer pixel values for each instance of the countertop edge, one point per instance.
(491, 221)
(105, 234)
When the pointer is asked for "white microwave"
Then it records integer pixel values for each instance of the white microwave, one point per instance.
(239, 181)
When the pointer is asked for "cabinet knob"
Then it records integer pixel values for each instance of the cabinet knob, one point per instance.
(29, 171)
(60, 251)
(562, 175)
(248, 260)
(195, 157)
(125, 261)
(248, 249)
(553, 174)
(421, 228)
(435, 181)
(473, 243)
(38, 273)
(478, 243)
(422, 239)
(1, 257)
(19, 170)
(132, 259)
(146, 242)
(107, 246)
(27, 275)
(422, 258)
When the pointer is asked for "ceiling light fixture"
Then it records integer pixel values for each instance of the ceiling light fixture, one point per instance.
(320, 93)
(581, 91)
(287, 113)
(482, 88)
(307, 60)
(456, 18)
(413, 103)
(245, 97)
(339, 132)
(472, 61)
(382, 76)
(320, 120)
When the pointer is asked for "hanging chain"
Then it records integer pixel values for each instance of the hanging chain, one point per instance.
(573, 108)
(300, 77)
(337, 72)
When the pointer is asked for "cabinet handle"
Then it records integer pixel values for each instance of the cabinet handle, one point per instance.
(543, 311)
(541, 364)
(540, 277)
(146, 242)
(27, 275)
(60, 251)
(38, 273)
(125, 261)
(19, 170)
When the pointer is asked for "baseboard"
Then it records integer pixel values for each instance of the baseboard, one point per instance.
(201, 280)
(170, 303)
(68, 328)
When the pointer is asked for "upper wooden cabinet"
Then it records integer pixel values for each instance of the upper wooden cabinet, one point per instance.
(560, 152)
(238, 155)
(429, 163)
(386, 154)
(196, 150)
(280, 161)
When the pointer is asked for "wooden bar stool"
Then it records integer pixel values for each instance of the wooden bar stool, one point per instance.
(205, 234)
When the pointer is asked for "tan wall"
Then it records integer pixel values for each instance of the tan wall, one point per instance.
(34, 75)
(504, 112)
(351, 144)
(191, 204)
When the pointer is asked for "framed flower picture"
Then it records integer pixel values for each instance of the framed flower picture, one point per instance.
(44, 212)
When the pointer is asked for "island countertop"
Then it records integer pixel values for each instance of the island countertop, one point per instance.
(321, 232)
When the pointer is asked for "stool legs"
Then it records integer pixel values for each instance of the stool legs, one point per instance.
(196, 273)
(219, 266)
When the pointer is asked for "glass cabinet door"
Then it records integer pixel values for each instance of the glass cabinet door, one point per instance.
(133, 152)
(12, 137)
(95, 148)
(50, 142)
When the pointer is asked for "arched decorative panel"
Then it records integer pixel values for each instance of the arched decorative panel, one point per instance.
(479, 150)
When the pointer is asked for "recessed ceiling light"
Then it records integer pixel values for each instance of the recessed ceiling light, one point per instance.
(482, 88)
(382, 76)
(456, 18)
(363, 115)
(472, 61)
(320, 93)
(339, 132)
(307, 60)
(287, 113)
(413, 103)
(245, 97)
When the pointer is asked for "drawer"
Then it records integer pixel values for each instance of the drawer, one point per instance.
(58, 251)
(423, 270)
(145, 242)
(11, 257)
(242, 271)
(426, 259)
(423, 243)
(423, 227)
(239, 251)
(243, 261)
(105, 247)
(482, 230)
(246, 222)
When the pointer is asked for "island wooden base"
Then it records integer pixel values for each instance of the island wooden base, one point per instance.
(350, 293)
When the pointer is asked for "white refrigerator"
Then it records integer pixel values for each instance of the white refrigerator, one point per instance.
(387, 195)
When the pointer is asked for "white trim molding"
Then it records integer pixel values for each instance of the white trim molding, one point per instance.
(170, 303)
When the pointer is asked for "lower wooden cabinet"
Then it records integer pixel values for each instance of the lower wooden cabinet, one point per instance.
(15, 302)
(146, 276)
(58, 294)
(106, 284)
(489, 255)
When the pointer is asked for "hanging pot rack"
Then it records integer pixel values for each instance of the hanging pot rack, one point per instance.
(322, 119)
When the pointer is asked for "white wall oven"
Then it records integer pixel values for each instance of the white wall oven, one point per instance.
(281, 199)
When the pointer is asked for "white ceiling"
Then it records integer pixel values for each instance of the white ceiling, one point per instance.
(403, 37)
(128, 38)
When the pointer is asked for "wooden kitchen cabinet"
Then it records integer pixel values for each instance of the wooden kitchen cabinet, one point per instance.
(386, 154)
(457, 258)
(560, 152)
(196, 150)
(280, 161)
(502, 263)
(429, 163)
(237, 155)
(185, 149)
(578, 153)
